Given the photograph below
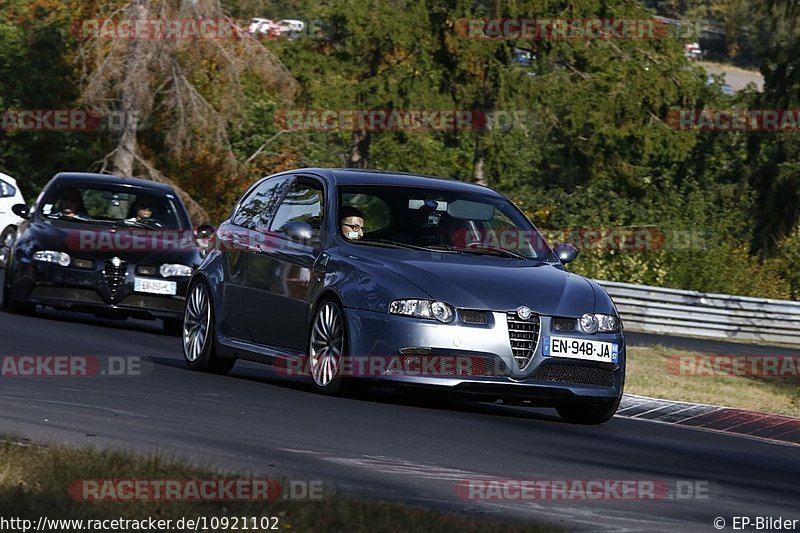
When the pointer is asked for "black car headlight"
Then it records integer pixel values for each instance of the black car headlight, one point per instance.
(171, 271)
(597, 322)
(49, 256)
(434, 310)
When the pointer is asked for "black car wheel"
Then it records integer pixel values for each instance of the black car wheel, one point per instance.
(11, 305)
(199, 345)
(6, 240)
(327, 349)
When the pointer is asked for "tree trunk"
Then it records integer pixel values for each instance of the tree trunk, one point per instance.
(477, 163)
(359, 149)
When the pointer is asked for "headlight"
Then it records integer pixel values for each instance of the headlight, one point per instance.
(49, 256)
(170, 271)
(422, 309)
(594, 322)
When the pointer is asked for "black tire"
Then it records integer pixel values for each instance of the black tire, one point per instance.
(6, 238)
(173, 327)
(337, 384)
(201, 353)
(11, 305)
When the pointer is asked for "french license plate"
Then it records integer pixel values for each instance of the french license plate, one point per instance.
(606, 352)
(155, 286)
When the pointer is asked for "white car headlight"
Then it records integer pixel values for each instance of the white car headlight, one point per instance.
(423, 309)
(49, 256)
(598, 322)
(171, 271)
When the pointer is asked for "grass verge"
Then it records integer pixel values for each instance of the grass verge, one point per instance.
(650, 373)
(34, 482)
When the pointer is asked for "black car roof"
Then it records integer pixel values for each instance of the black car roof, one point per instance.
(352, 176)
(86, 178)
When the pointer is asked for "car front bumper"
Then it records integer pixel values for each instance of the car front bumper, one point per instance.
(88, 290)
(489, 368)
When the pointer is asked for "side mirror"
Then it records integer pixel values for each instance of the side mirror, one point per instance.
(21, 210)
(566, 253)
(297, 230)
(203, 234)
(204, 231)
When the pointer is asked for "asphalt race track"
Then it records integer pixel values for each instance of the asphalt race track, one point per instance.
(386, 445)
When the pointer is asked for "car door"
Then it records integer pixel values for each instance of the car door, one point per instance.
(8, 195)
(238, 239)
(281, 274)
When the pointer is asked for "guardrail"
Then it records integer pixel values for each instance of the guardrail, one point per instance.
(721, 316)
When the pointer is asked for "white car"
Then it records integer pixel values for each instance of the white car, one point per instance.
(10, 195)
(292, 26)
(263, 27)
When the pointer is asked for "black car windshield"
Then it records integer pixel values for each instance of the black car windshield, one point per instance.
(437, 219)
(99, 204)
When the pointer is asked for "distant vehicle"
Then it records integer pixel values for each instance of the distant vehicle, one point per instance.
(262, 26)
(291, 26)
(10, 195)
(724, 87)
(693, 51)
(111, 246)
(320, 270)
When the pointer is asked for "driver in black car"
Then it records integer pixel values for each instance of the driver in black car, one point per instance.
(142, 210)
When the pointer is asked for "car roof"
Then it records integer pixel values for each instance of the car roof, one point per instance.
(87, 178)
(354, 176)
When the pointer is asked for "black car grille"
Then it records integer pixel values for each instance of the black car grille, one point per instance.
(66, 293)
(582, 375)
(523, 335)
(114, 275)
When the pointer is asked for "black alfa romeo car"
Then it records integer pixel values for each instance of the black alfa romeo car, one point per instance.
(107, 245)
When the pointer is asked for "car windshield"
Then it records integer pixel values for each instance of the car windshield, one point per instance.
(436, 219)
(109, 205)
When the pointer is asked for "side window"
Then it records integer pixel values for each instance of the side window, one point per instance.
(303, 203)
(7, 190)
(258, 208)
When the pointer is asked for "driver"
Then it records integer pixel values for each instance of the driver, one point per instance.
(352, 223)
(142, 209)
(71, 204)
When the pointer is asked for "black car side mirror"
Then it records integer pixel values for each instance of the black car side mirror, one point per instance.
(204, 231)
(21, 210)
(297, 230)
(566, 253)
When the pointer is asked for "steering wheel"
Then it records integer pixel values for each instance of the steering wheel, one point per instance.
(151, 222)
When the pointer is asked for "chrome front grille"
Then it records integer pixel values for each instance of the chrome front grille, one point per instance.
(114, 272)
(523, 336)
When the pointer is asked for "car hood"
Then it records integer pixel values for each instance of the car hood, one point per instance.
(487, 282)
(98, 241)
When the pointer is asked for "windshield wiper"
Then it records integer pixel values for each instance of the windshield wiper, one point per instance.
(394, 244)
(73, 218)
(484, 250)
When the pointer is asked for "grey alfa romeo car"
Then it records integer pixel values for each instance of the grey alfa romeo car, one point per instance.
(354, 277)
